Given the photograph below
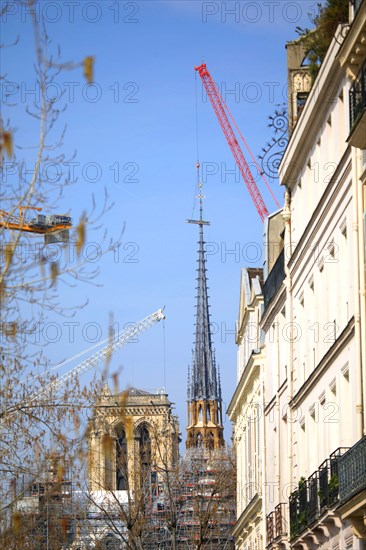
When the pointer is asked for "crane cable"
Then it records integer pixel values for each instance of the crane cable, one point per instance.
(164, 357)
(197, 147)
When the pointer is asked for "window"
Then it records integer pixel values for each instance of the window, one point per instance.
(322, 398)
(343, 228)
(363, 158)
(331, 249)
(121, 460)
(333, 387)
(107, 445)
(301, 98)
(345, 371)
(311, 283)
(144, 448)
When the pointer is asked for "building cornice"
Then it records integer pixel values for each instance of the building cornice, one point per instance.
(315, 111)
(324, 364)
(242, 322)
(256, 303)
(249, 373)
(246, 517)
(269, 406)
(353, 48)
(326, 203)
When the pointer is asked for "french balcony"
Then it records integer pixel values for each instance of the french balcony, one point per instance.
(357, 110)
(270, 527)
(277, 523)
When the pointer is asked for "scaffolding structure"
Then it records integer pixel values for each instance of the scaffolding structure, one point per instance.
(199, 509)
(43, 509)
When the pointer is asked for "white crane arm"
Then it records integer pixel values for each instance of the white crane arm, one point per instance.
(92, 361)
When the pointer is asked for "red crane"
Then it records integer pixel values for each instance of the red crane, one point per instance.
(219, 108)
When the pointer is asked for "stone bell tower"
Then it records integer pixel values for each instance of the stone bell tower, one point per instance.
(132, 437)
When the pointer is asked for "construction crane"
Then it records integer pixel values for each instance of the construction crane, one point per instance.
(39, 224)
(219, 108)
(122, 339)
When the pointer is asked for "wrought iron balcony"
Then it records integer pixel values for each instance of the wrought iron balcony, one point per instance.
(315, 494)
(298, 505)
(352, 471)
(277, 523)
(271, 527)
(274, 279)
(280, 520)
(357, 98)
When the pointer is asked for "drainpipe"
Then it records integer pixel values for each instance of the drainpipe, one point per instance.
(278, 415)
(264, 465)
(358, 295)
(289, 317)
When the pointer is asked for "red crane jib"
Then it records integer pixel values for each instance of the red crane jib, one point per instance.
(217, 104)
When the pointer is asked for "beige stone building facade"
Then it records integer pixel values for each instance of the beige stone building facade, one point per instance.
(132, 437)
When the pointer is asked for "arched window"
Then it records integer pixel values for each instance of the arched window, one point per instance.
(199, 440)
(200, 413)
(121, 460)
(208, 413)
(210, 441)
(144, 443)
(107, 446)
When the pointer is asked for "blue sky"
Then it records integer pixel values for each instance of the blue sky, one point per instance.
(140, 116)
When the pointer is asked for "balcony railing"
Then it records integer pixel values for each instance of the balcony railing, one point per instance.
(280, 519)
(315, 494)
(352, 471)
(271, 527)
(277, 523)
(357, 97)
(274, 279)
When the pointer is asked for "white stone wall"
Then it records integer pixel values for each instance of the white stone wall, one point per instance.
(311, 375)
(246, 413)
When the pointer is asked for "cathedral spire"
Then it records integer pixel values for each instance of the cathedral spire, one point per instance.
(204, 391)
